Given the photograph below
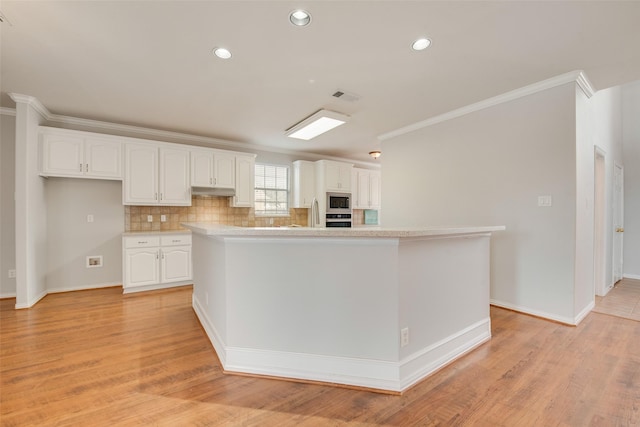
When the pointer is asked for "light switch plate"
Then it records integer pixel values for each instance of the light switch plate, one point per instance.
(163, 218)
(149, 218)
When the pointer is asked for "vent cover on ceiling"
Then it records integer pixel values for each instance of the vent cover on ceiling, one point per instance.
(346, 96)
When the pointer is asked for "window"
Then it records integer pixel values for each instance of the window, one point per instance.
(272, 190)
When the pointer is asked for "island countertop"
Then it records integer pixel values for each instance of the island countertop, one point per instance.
(211, 229)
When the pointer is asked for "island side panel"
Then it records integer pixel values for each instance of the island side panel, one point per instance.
(444, 300)
(324, 296)
(210, 289)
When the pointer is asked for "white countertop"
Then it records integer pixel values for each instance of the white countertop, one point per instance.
(155, 233)
(211, 229)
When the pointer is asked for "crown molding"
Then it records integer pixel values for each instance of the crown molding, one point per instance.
(33, 102)
(170, 135)
(574, 76)
(6, 111)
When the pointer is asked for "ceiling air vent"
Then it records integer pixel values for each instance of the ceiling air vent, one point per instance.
(346, 96)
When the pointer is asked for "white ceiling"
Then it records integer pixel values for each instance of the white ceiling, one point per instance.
(150, 64)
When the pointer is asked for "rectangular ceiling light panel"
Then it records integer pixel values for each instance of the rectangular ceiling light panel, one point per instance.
(316, 124)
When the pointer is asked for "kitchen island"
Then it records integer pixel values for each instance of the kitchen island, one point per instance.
(369, 307)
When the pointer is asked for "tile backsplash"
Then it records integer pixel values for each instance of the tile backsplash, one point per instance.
(204, 209)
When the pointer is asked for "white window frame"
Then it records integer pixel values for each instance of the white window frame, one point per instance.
(279, 213)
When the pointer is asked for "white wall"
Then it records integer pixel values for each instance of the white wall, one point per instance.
(31, 207)
(71, 238)
(7, 205)
(631, 147)
(488, 168)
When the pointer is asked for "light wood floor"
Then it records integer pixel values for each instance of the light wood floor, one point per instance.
(622, 301)
(98, 358)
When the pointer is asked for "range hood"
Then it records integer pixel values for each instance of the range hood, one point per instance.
(208, 191)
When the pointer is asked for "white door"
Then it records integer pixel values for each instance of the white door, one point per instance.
(175, 187)
(175, 264)
(618, 221)
(140, 185)
(141, 267)
(363, 190)
(63, 155)
(103, 159)
(245, 180)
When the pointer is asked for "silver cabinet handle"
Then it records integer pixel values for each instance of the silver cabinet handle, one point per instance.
(87, 167)
(143, 242)
(80, 167)
(156, 196)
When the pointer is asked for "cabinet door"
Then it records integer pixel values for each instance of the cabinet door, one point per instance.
(140, 185)
(175, 187)
(141, 267)
(375, 188)
(175, 264)
(245, 178)
(363, 189)
(103, 159)
(224, 170)
(345, 178)
(202, 168)
(62, 155)
(304, 183)
(332, 177)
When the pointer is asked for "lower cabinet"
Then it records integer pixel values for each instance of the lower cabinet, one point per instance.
(156, 260)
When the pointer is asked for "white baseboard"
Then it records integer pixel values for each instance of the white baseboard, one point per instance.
(135, 289)
(210, 330)
(631, 276)
(549, 316)
(32, 302)
(83, 288)
(8, 295)
(374, 374)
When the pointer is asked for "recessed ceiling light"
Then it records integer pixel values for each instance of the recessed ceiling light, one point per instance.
(222, 53)
(421, 44)
(300, 18)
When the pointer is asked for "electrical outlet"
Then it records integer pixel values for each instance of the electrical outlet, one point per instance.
(163, 218)
(149, 218)
(12, 274)
(404, 337)
(89, 218)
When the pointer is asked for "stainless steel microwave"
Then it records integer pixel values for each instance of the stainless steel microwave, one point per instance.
(339, 203)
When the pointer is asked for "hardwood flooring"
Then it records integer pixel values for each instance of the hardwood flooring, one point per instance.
(98, 358)
(622, 301)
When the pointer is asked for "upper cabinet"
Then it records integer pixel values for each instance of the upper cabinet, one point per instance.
(333, 176)
(367, 186)
(245, 181)
(304, 183)
(75, 154)
(213, 168)
(156, 175)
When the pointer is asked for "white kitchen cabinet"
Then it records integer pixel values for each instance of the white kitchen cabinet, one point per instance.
(213, 169)
(156, 175)
(334, 176)
(155, 260)
(366, 191)
(75, 154)
(245, 181)
(304, 183)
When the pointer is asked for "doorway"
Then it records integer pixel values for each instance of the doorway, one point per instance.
(599, 250)
(618, 221)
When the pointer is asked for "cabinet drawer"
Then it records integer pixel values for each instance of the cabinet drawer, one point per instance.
(141, 241)
(176, 240)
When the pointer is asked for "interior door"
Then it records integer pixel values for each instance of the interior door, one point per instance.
(618, 221)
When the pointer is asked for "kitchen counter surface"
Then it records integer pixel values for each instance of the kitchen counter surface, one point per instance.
(155, 233)
(211, 229)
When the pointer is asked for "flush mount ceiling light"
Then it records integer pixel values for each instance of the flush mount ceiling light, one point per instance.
(421, 44)
(300, 18)
(375, 154)
(222, 53)
(318, 123)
